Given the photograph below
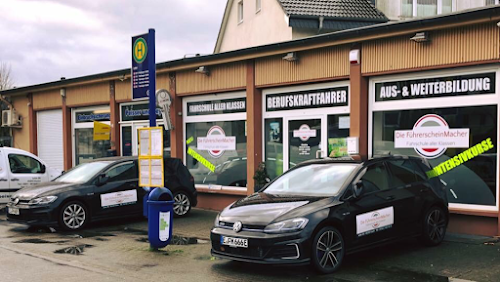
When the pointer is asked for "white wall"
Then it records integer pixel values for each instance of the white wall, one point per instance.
(270, 25)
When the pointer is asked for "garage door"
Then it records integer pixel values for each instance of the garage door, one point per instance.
(50, 138)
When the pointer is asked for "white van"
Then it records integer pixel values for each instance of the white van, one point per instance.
(19, 169)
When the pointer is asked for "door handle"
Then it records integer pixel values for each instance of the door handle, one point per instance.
(3, 179)
(389, 198)
(14, 179)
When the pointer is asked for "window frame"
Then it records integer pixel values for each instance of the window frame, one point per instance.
(439, 4)
(122, 164)
(258, 6)
(240, 11)
(438, 102)
(41, 165)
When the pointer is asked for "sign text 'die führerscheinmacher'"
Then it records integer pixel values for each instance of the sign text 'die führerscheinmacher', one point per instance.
(474, 84)
(461, 158)
(322, 98)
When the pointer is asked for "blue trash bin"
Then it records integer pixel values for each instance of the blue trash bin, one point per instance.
(160, 217)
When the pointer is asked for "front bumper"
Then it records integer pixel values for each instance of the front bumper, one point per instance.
(288, 248)
(33, 215)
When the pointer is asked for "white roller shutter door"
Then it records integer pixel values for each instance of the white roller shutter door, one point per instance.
(50, 138)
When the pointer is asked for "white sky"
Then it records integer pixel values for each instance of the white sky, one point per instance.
(44, 40)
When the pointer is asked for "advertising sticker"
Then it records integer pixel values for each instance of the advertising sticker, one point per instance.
(117, 199)
(216, 142)
(374, 221)
(431, 136)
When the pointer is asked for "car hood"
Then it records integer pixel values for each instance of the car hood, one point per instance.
(263, 208)
(43, 189)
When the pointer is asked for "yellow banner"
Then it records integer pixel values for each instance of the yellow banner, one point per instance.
(102, 131)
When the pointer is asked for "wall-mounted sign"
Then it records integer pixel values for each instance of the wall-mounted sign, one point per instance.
(138, 112)
(216, 142)
(474, 84)
(92, 116)
(322, 98)
(226, 106)
(140, 66)
(304, 132)
(431, 136)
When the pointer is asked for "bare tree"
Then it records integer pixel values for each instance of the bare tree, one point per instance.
(6, 81)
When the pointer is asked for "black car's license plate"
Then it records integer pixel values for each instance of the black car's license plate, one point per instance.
(234, 242)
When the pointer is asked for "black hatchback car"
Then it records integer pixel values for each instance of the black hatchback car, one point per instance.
(101, 189)
(323, 209)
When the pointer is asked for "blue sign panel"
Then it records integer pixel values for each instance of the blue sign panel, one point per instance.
(141, 75)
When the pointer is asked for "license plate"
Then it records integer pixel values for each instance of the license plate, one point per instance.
(14, 211)
(234, 242)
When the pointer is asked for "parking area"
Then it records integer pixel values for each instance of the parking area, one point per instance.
(119, 251)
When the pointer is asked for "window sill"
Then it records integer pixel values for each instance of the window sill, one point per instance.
(473, 212)
(224, 191)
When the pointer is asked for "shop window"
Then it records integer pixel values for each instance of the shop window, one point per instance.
(126, 141)
(274, 147)
(471, 182)
(338, 131)
(223, 146)
(86, 149)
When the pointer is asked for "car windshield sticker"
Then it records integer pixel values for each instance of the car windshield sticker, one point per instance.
(164, 226)
(461, 158)
(431, 136)
(374, 221)
(117, 199)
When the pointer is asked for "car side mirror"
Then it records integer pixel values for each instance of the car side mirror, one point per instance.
(102, 179)
(43, 169)
(357, 189)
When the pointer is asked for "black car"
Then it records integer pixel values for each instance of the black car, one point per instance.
(101, 189)
(323, 209)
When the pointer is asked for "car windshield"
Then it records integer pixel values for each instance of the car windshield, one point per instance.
(312, 180)
(82, 173)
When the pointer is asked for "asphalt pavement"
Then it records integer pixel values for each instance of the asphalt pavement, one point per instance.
(118, 250)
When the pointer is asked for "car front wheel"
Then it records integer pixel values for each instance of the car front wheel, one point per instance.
(182, 204)
(73, 216)
(327, 250)
(434, 226)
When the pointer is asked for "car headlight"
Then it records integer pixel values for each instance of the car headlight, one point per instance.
(216, 222)
(290, 225)
(42, 200)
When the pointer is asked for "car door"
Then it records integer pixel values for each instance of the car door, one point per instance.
(5, 191)
(120, 193)
(370, 218)
(407, 196)
(25, 171)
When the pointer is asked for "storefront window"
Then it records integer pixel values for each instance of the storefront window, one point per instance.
(86, 148)
(126, 141)
(469, 182)
(274, 147)
(223, 146)
(338, 131)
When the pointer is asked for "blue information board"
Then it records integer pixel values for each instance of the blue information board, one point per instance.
(141, 75)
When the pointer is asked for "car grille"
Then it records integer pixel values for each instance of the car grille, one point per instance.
(245, 227)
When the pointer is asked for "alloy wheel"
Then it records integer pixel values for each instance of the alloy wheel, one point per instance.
(182, 204)
(329, 250)
(436, 225)
(74, 216)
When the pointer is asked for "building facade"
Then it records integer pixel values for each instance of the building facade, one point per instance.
(426, 87)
